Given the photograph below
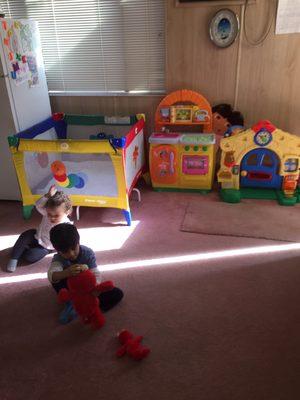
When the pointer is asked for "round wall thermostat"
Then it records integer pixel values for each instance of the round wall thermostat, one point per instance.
(224, 28)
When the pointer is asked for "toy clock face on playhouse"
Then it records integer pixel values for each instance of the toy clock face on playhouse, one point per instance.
(224, 28)
(263, 137)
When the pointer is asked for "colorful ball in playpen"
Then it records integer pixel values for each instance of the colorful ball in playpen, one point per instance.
(60, 178)
(58, 168)
(59, 171)
(80, 184)
(75, 181)
(65, 184)
(83, 176)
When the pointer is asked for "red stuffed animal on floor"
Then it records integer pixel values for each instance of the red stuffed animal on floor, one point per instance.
(81, 291)
(132, 346)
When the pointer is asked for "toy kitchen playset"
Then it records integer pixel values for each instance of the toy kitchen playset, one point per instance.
(182, 149)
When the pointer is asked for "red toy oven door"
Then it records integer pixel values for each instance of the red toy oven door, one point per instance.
(194, 165)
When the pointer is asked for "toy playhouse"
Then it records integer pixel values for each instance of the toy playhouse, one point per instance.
(261, 162)
(182, 149)
(94, 159)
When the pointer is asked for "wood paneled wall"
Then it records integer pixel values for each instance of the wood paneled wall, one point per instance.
(269, 82)
(262, 81)
(193, 61)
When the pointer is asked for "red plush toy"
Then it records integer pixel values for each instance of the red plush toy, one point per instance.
(81, 291)
(132, 346)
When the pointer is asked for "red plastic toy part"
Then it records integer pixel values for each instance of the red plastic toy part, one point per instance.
(132, 346)
(265, 124)
(58, 116)
(81, 291)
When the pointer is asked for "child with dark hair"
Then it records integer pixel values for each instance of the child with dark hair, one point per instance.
(34, 244)
(71, 259)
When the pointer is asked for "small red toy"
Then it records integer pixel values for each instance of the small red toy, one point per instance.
(132, 346)
(82, 290)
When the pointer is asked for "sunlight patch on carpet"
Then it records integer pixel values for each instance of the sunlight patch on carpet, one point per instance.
(99, 239)
(157, 262)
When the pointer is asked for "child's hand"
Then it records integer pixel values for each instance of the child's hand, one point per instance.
(51, 191)
(83, 267)
(74, 270)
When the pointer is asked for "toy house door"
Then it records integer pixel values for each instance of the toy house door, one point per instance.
(259, 168)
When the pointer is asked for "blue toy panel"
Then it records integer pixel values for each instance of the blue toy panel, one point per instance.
(60, 128)
(75, 174)
(261, 167)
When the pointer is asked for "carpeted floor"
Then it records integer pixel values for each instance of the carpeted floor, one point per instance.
(221, 326)
(243, 219)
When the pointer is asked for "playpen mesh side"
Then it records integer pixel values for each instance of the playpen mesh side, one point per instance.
(36, 167)
(35, 162)
(47, 135)
(76, 174)
(85, 132)
(83, 126)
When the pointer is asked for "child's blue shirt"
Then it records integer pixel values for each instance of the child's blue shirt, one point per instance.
(85, 256)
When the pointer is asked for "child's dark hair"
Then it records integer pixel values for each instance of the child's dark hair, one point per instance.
(64, 237)
(58, 199)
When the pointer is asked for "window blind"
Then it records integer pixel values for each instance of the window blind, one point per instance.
(99, 46)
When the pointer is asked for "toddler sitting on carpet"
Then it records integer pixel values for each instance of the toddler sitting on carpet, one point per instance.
(34, 244)
(71, 259)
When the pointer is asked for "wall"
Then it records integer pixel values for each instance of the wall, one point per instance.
(261, 81)
(269, 84)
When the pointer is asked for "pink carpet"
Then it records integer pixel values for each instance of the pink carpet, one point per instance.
(251, 218)
(220, 328)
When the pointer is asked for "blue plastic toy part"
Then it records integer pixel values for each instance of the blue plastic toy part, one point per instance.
(127, 215)
(260, 168)
(80, 183)
(119, 142)
(101, 136)
(232, 128)
(68, 314)
(59, 126)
